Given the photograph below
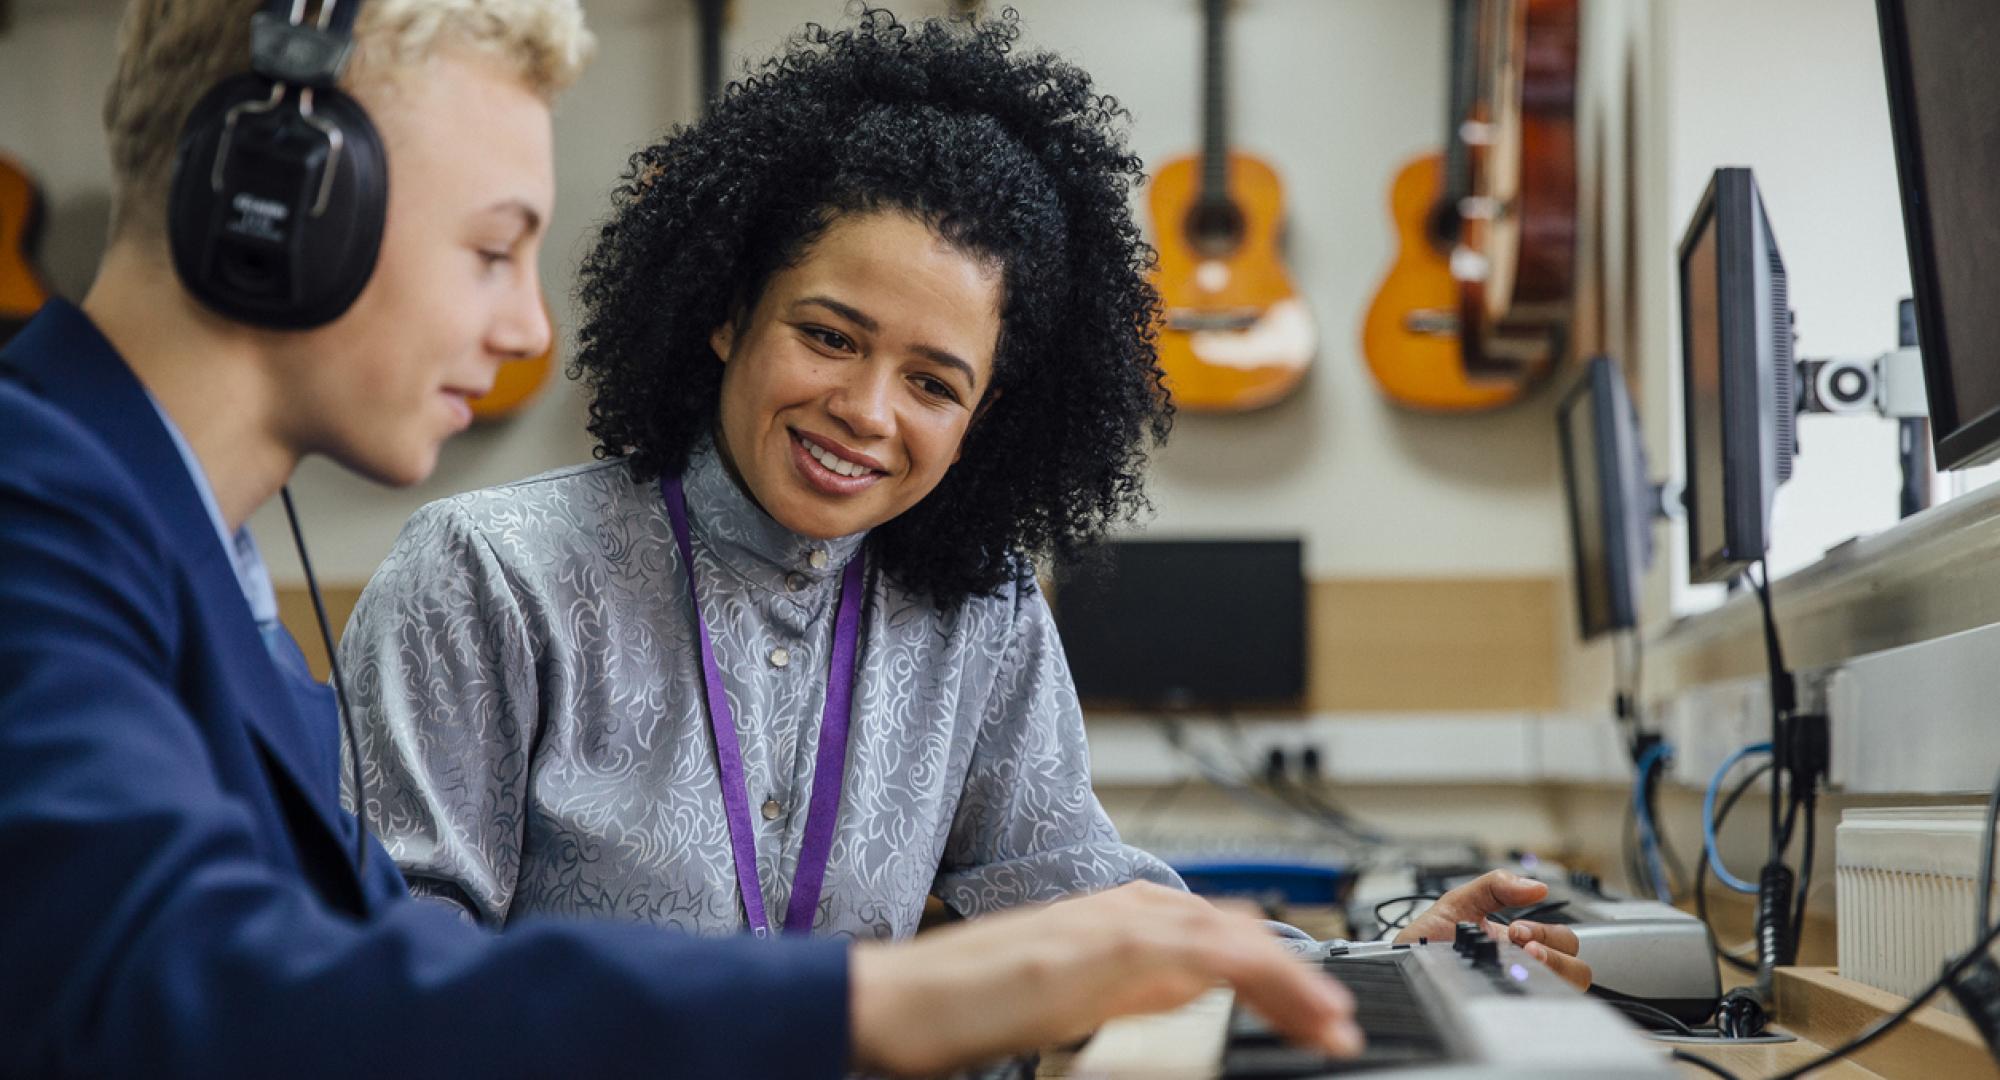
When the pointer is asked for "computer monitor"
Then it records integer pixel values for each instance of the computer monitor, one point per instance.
(1610, 498)
(1944, 98)
(1186, 624)
(1737, 373)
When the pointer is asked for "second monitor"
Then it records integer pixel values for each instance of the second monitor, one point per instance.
(1612, 500)
(1737, 375)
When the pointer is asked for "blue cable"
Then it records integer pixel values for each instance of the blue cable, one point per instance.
(1708, 818)
(1648, 836)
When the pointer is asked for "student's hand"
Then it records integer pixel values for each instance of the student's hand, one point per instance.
(1554, 946)
(1045, 976)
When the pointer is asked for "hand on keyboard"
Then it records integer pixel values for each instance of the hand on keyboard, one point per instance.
(1045, 976)
(1477, 900)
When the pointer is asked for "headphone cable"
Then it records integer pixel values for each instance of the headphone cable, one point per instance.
(353, 754)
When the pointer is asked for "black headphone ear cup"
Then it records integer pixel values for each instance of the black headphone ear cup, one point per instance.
(252, 247)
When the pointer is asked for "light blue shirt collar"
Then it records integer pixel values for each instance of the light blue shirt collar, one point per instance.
(251, 575)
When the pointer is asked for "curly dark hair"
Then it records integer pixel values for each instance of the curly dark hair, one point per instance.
(1011, 158)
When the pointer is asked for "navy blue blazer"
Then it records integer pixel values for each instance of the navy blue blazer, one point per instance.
(178, 894)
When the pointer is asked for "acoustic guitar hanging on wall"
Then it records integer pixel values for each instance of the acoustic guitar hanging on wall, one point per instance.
(1236, 335)
(22, 289)
(1410, 335)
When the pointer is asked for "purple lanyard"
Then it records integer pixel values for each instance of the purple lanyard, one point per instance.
(829, 764)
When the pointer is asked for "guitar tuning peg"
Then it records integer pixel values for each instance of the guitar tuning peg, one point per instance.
(1470, 265)
(1478, 208)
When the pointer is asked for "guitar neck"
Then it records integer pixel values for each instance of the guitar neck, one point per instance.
(709, 17)
(1464, 61)
(1214, 110)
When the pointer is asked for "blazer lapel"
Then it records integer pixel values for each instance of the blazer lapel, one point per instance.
(94, 385)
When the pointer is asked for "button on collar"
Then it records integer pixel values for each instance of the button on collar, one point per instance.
(816, 558)
(781, 657)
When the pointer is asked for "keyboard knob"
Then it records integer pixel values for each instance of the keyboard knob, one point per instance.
(1485, 953)
(1466, 934)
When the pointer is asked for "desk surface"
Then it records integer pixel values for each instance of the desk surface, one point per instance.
(1770, 1059)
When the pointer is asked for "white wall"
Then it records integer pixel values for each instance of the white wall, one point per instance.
(1794, 90)
(1337, 95)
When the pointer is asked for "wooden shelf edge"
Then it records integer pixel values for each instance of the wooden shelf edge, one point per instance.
(1817, 1004)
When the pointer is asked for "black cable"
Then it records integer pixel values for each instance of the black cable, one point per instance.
(1983, 918)
(1701, 869)
(1809, 803)
(1978, 992)
(1951, 972)
(1655, 1018)
(1669, 861)
(339, 690)
(1295, 794)
(1383, 925)
(1791, 823)
(1242, 789)
(1700, 1062)
(1781, 694)
(1636, 872)
(1324, 811)
(1774, 883)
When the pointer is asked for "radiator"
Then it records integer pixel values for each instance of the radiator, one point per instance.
(1905, 879)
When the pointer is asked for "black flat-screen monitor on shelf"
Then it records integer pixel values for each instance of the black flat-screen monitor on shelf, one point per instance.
(1942, 63)
(1610, 498)
(1214, 625)
(1737, 376)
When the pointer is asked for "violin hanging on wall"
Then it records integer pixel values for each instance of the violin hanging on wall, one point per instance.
(1517, 257)
(1476, 310)
(1236, 335)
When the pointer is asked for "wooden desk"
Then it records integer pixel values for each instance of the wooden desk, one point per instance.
(1770, 1059)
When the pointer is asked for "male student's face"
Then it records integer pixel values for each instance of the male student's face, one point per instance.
(455, 292)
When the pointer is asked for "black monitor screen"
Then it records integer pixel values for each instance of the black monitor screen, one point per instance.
(1707, 520)
(1610, 498)
(1581, 463)
(1944, 107)
(1186, 623)
(1736, 377)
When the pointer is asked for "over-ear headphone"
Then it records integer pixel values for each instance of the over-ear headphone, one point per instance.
(280, 181)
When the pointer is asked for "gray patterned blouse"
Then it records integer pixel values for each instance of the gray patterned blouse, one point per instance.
(528, 702)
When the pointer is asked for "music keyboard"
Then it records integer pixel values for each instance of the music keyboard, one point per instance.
(1441, 1011)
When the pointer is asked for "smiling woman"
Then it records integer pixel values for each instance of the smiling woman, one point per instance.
(838, 419)
(861, 345)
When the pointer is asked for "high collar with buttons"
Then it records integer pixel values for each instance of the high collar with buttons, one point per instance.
(752, 543)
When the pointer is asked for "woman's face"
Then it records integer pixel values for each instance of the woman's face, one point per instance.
(847, 393)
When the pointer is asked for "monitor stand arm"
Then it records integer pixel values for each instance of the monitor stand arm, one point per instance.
(1892, 385)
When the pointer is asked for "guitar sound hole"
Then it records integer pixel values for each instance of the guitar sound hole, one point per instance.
(1214, 229)
(1443, 225)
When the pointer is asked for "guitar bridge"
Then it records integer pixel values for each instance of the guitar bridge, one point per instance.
(1432, 322)
(1192, 320)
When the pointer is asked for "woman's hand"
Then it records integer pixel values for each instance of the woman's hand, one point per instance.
(1044, 976)
(1473, 902)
